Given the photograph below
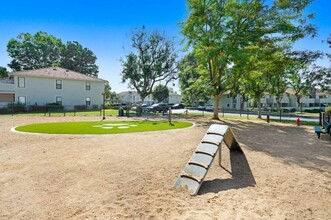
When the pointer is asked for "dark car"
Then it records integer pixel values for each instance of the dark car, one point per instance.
(178, 106)
(158, 107)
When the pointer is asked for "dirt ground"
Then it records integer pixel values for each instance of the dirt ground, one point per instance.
(284, 172)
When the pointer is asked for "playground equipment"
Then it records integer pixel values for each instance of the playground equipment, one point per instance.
(196, 169)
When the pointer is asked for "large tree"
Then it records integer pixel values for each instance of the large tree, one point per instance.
(3, 72)
(221, 31)
(34, 51)
(193, 88)
(161, 93)
(78, 58)
(322, 78)
(302, 72)
(42, 50)
(153, 60)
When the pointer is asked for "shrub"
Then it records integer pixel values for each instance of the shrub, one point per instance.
(4, 111)
(80, 107)
(37, 108)
(328, 109)
(313, 110)
(16, 107)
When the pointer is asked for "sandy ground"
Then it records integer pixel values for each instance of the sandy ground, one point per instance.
(284, 172)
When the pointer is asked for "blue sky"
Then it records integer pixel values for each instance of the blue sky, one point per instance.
(105, 26)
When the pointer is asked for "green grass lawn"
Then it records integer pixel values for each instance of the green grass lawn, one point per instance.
(103, 127)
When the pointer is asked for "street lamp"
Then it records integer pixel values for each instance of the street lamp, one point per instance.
(103, 106)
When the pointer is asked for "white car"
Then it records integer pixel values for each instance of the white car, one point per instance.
(209, 108)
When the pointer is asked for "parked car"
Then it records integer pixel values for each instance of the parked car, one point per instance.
(143, 107)
(158, 107)
(201, 107)
(178, 106)
(170, 105)
(209, 107)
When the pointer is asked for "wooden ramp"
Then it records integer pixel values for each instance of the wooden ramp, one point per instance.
(197, 167)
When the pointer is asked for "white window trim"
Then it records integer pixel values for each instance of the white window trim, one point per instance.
(18, 82)
(88, 85)
(59, 97)
(18, 99)
(58, 84)
(86, 100)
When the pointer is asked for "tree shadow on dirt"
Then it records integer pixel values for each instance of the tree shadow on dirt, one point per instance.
(292, 144)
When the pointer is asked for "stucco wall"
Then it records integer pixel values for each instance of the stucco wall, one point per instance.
(73, 92)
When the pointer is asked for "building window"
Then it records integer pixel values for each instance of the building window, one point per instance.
(21, 99)
(58, 84)
(88, 86)
(88, 101)
(59, 100)
(21, 82)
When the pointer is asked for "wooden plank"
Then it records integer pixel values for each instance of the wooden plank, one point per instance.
(231, 141)
(211, 149)
(217, 129)
(212, 139)
(201, 159)
(187, 183)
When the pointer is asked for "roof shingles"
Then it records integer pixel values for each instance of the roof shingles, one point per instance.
(57, 73)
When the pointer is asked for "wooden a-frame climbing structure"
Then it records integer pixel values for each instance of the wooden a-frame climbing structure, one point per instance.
(197, 167)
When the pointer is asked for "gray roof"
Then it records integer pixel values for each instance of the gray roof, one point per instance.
(57, 73)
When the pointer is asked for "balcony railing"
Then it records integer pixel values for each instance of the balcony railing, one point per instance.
(7, 81)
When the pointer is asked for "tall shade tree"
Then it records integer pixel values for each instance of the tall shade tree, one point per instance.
(262, 68)
(3, 72)
(302, 73)
(323, 77)
(77, 58)
(160, 93)
(153, 60)
(278, 65)
(34, 51)
(42, 50)
(193, 88)
(220, 31)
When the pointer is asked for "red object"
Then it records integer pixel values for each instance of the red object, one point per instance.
(298, 122)
(268, 118)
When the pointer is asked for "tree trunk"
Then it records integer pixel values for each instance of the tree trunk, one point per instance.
(279, 105)
(259, 107)
(216, 104)
(299, 103)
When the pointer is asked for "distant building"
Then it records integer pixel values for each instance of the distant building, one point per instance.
(316, 100)
(52, 85)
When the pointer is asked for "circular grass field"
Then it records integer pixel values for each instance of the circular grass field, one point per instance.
(103, 127)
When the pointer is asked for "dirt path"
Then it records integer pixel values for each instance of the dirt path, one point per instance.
(284, 173)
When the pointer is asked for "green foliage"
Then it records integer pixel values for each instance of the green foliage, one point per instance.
(107, 91)
(153, 61)
(161, 93)
(3, 72)
(114, 98)
(224, 33)
(322, 77)
(34, 51)
(328, 109)
(193, 87)
(77, 58)
(302, 74)
(42, 50)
